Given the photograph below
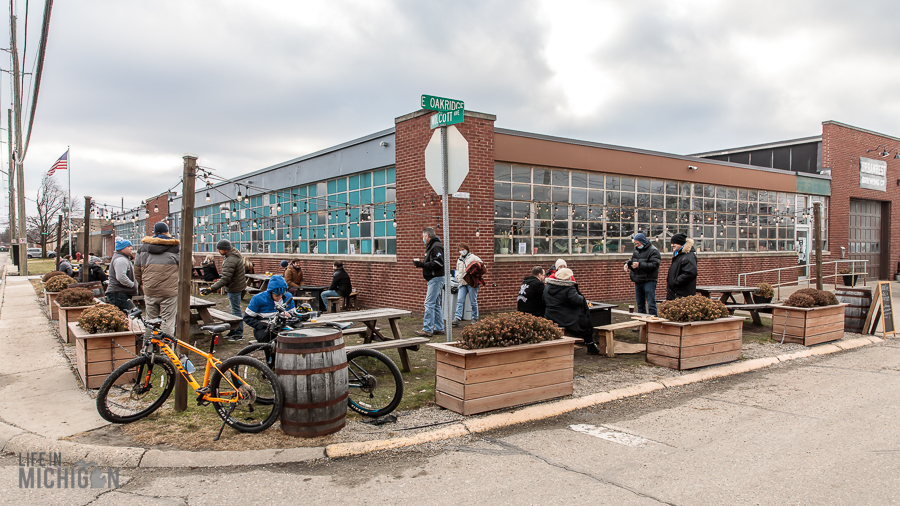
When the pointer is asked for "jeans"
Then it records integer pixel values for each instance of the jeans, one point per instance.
(235, 300)
(164, 308)
(325, 295)
(120, 300)
(433, 319)
(645, 294)
(472, 292)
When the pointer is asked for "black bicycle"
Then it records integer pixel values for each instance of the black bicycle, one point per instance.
(375, 385)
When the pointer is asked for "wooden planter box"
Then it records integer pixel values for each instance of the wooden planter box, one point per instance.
(695, 344)
(475, 381)
(808, 325)
(68, 315)
(97, 355)
(50, 299)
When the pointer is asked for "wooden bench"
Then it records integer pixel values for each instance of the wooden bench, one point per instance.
(350, 301)
(402, 346)
(335, 305)
(361, 331)
(230, 319)
(339, 304)
(607, 345)
(753, 309)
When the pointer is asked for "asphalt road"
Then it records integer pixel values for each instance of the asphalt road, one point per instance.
(822, 430)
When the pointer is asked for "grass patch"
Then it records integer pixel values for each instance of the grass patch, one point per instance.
(41, 266)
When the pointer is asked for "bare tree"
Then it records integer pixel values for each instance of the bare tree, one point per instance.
(51, 202)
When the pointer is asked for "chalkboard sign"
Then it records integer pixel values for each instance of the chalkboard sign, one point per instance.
(887, 312)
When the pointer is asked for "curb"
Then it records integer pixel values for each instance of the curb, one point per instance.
(15, 440)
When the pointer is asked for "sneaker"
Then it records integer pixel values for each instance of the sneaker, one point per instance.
(438, 332)
(423, 333)
(592, 349)
(456, 323)
(235, 339)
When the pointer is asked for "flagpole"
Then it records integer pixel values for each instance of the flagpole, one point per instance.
(69, 167)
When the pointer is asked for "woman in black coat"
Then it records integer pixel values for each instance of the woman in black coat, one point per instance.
(568, 308)
(682, 278)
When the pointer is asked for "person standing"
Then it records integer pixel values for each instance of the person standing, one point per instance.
(531, 293)
(432, 266)
(568, 308)
(234, 280)
(470, 275)
(156, 270)
(340, 284)
(682, 278)
(293, 276)
(122, 285)
(643, 268)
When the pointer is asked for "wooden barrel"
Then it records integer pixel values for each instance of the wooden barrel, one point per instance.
(860, 299)
(311, 367)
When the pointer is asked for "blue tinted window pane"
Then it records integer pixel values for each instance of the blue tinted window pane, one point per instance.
(391, 175)
(379, 194)
(332, 186)
(332, 247)
(378, 177)
(379, 229)
(365, 246)
(365, 196)
(342, 185)
(354, 182)
(391, 229)
(354, 198)
(354, 230)
(312, 190)
(365, 180)
(300, 192)
(342, 247)
(303, 248)
(281, 247)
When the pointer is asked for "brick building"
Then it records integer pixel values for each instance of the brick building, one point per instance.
(535, 198)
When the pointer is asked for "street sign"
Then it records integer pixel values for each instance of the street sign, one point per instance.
(442, 104)
(446, 118)
(22, 240)
(457, 160)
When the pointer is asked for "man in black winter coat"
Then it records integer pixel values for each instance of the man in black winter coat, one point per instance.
(531, 294)
(682, 278)
(643, 268)
(340, 284)
(432, 266)
(568, 308)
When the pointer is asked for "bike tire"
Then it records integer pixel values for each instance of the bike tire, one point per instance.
(130, 400)
(258, 352)
(375, 386)
(251, 416)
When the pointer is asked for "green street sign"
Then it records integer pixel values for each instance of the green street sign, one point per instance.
(442, 104)
(446, 118)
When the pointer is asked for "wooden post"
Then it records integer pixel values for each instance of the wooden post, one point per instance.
(58, 240)
(817, 237)
(85, 260)
(13, 228)
(185, 264)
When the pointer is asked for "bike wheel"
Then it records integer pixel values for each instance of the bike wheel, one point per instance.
(254, 381)
(375, 384)
(265, 353)
(135, 389)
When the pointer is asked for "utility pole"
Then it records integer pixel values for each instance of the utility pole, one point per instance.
(58, 240)
(817, 236)
(13, 228)
(20, 178)
(85, 257)
(185, 265)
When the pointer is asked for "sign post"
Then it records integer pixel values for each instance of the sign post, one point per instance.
(453, 169)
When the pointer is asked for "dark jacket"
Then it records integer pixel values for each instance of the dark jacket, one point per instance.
(66, 266)
(682, 278)
(95, 273)
(433, 264)
(210, 273)
(648, 259)
(568, 308)
(156, 266)
(340, 283)
(293, 277)
(232, 277)
(531, 297)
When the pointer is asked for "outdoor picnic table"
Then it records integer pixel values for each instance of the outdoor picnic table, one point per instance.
(260, 281)
(202, 307)
(197, 272)
(369, 317)
(728, 292)
(314, 291)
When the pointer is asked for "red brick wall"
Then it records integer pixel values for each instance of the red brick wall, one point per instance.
(842, 146)
(153, 217)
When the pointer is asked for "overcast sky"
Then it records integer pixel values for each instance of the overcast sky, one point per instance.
(132, 86)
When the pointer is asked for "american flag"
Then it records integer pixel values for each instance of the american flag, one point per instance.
(61, 164)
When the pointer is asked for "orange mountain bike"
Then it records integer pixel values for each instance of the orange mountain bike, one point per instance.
(234, 386)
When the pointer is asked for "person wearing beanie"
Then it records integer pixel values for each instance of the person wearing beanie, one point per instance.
(682, 278)
(560, 263)
(566, 307)
(122, 285)
(234, 279)
(643, 268)
(156, 271)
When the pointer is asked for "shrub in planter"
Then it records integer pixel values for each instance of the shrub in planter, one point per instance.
(75, 297)
(695, 308)
(51, 274)
(58, 283)
(810, 297)
(102, 319)
(845, 270)
(508, 329)
(764, 290)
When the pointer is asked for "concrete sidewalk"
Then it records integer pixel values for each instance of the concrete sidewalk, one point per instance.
(38, 391)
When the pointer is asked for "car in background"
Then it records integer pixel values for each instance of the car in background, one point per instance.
(34, 253)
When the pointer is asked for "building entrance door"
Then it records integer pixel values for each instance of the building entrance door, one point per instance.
(865, 234)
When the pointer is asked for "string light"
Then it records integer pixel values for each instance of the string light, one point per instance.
(207, 196)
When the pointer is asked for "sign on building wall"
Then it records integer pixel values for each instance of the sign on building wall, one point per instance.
(873, 174)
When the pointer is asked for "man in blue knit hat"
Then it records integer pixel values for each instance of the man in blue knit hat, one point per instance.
(122, 285)
(643, 268)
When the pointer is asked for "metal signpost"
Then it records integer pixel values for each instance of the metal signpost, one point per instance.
(451, 162)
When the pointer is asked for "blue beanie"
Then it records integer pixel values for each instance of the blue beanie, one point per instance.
(122, 243)
(641, 238)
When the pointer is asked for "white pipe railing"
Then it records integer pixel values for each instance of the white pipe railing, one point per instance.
(854, 271)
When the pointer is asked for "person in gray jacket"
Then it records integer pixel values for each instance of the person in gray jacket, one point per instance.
(122, 285)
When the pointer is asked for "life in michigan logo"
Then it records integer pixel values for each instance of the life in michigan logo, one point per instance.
(46, 470)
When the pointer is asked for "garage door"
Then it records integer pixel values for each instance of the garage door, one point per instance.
(865, 234)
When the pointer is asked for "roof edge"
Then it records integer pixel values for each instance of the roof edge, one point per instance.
(466, 114)
(767, 145)
(872, 132)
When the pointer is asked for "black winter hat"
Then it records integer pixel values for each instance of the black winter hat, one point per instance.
(679, 239)
(160, 228)
(224, 245)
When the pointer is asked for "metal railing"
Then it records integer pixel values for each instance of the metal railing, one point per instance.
(810, 278)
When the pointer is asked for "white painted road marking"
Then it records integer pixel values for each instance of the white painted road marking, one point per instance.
(611, 435)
